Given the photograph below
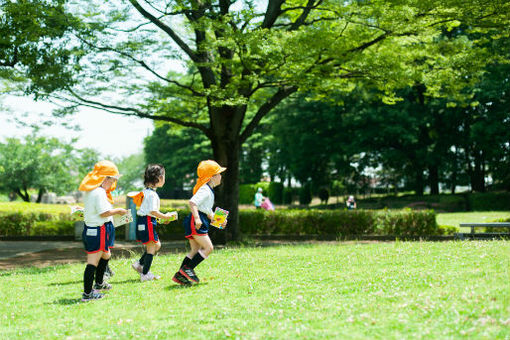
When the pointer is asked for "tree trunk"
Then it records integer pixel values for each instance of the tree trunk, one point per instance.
(478, 174)
(227, 154)
(40, 195)
(453, 178)
(225, 141)
(25, 197)
(434, 180)
(418, 185)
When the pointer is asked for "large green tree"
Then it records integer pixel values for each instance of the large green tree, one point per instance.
(36, 49)
(42, 164)
(244, 57)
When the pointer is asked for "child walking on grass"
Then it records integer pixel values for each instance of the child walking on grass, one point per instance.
(146, 221)
(98, 232)
(196, 224)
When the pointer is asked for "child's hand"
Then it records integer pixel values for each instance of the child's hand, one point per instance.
(167, 218)
(210, 217)
(198, 222)
(121, 211)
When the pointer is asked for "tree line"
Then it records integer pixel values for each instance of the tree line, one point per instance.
(241, 58)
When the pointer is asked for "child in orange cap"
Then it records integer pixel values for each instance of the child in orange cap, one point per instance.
(196, 224)
(146, 222)
(98, 233)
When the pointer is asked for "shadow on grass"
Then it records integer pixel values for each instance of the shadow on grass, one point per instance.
(125, 281)
(65, 283)
(66, 302)
(29, 270)
(176, 286)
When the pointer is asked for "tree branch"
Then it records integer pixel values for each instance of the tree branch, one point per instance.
(166, 29)
(272, 12)
(130, 111)
(265, 108)
(143, 64)
(306, 11)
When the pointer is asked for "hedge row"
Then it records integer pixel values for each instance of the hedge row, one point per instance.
(340, 222)
(35, 224)
(401, 223)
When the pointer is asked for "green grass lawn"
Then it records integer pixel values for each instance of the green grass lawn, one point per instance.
(333, 290)
(18, 206)
(454, 219)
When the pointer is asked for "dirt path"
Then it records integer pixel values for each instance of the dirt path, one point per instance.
(51, 257)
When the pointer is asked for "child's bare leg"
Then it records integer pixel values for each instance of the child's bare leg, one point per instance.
(206, 246)
(93, 258)
(195, 246)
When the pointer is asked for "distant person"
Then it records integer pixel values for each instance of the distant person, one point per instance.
(98, 232)
(267, 204)
(351, 203)
(259, 198)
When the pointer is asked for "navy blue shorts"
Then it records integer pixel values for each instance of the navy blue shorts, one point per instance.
(189, 225)
(97, 239)
(146, 229)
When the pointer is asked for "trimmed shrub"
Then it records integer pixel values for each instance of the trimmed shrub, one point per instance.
(324, 195)
(490, 201)
(305, 194)
(288, 195)
(35, 223)
(407, 223)
(448, 230)
(339, 222)
(275, 192)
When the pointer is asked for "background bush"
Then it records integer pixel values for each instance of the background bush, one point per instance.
(340, 223)
(35, 224)
(407, 223)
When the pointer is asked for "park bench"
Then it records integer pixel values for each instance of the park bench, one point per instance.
(486, 235)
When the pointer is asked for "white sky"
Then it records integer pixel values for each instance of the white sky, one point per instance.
(112, 135)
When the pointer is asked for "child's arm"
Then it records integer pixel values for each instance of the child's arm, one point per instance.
(194, 212)
(158, 214)
(117, 211)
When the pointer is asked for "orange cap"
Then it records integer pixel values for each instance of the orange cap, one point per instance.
(137, 197)
(96, 177)
(205, 170)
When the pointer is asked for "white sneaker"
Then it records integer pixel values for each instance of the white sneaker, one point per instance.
(137, 266)
(149, 277)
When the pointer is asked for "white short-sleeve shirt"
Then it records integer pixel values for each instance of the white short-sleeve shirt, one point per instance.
(96, 203)
(150, 203)
(204, 199)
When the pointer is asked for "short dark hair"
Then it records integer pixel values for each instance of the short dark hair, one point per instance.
(152, 174)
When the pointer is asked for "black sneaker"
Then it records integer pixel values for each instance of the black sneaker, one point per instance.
(189, 273)
(181, 279)
(93, 295)
(102, 286)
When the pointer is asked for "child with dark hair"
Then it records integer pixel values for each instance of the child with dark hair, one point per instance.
(146, 221)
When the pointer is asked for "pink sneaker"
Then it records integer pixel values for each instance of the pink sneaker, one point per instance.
(137, 266)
